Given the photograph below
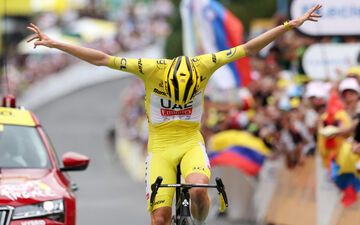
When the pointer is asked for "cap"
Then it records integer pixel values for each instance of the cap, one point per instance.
(353, 71)
(317, 89)
(349, 84)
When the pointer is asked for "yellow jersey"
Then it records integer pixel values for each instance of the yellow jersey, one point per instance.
(167, 120)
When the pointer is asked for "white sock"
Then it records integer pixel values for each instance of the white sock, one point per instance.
(199, 222)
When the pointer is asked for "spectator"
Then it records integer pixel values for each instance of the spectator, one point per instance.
(349, 90)
(139, 25)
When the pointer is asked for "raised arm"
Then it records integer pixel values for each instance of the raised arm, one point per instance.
(255, 45)
(87, 54)
(211, 62)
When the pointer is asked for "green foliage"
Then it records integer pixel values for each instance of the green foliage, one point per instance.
(173, 47)
(245, 10)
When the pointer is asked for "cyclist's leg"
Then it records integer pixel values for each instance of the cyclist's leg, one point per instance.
(195, 167)
(199, 198)
(161, 216)
(159, 164)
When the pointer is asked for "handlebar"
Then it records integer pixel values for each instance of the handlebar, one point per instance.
(222, 194)
(154, 188)
(219, 186)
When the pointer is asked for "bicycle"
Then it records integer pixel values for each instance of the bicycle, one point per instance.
(182, 196)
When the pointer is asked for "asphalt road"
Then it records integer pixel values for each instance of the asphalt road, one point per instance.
(78, 122)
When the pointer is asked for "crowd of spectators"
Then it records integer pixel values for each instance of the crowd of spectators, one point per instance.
(282, 105)
(138, 24)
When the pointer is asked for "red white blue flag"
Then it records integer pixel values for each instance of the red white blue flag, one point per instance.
(208, 27)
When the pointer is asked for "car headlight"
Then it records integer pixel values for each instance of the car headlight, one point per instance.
(53, 210)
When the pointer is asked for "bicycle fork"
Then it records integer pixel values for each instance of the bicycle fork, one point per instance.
(185, 203)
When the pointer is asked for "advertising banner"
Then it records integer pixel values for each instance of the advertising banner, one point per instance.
(340, 18)
(330, 61)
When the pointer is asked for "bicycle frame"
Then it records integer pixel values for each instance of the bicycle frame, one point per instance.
(182, 211)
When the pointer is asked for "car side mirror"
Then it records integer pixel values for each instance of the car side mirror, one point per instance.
(74, 162)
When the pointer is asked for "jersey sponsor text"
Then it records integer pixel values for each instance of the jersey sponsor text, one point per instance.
(170, 112)
(231, 52)
(157, 91)
(162, 109)
(167, 104)
(123, 64)
(140, 65)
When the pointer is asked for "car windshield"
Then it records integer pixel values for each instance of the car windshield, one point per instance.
(22, 147)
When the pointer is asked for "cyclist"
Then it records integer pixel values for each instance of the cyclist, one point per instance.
(174, 98)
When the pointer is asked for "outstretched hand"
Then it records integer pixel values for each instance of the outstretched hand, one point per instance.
(40, 37)
(309, 15)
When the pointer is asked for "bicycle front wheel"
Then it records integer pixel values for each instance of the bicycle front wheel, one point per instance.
(173, 220)
(186, 221)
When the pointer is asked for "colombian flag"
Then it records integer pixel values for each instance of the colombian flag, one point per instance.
(238, 149)
(208, 27)
(343, 173)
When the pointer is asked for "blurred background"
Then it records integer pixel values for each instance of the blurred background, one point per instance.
(294, 105)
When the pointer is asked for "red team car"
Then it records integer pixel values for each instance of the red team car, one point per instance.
(35, 188)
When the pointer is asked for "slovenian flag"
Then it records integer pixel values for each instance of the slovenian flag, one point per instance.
(238, 149)
(208, 27)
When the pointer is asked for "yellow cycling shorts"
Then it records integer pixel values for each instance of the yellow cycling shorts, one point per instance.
(163, 161)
